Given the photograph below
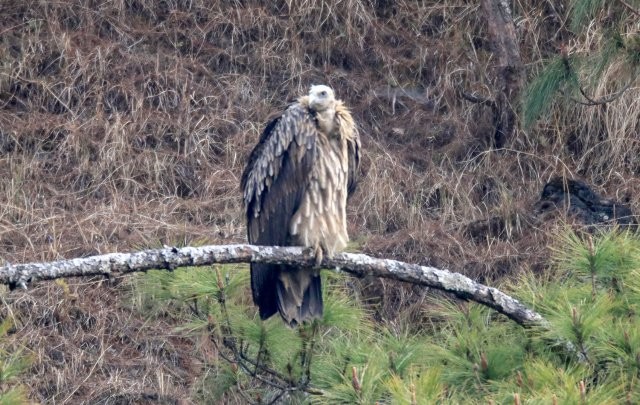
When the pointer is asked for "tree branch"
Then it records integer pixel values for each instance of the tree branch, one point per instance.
(604, 100)
(359, 265)
(477, 99)
(630, 7)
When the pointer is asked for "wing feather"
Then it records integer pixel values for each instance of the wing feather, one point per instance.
(353, 151)
(277, 174)
(273, 184)
(349, 131)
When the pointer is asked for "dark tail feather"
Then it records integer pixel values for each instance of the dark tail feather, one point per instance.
(264, 279)
(299, 293)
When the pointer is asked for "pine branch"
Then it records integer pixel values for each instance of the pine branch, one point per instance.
(252, 367)
(358, 265)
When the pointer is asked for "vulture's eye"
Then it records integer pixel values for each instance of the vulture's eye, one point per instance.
(323, 93)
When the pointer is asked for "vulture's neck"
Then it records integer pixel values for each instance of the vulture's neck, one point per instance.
(326, 120)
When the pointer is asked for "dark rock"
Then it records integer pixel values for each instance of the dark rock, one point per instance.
(582, 203)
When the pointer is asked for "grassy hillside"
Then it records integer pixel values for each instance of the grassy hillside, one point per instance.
(126, 125)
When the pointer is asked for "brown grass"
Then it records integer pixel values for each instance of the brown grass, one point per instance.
(126, 125)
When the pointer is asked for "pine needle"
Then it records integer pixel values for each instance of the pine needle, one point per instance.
(538, 95)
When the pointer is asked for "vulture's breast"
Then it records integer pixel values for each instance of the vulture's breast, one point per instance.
(321, 218)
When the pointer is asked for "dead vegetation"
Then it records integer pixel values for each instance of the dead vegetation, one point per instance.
(126, 124)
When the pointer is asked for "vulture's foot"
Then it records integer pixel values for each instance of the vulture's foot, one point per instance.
(320, 251)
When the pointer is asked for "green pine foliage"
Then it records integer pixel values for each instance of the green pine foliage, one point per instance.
(582, 11)
(591, 302)
(583, 68)
(549, 82)
(12, 364)
(589, 353)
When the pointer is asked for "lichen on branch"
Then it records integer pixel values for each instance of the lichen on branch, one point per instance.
(358, 265)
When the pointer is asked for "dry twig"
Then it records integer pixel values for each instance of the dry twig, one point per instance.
(630, 7)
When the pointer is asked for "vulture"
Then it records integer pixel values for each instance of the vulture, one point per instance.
(295, 188)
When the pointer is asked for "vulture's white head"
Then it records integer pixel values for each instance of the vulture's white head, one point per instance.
(321, 98)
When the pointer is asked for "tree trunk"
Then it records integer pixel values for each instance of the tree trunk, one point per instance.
(507, 70)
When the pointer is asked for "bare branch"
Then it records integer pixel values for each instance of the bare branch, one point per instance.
(359, 265)
(477, 99)
(604, 100)
(630, 7)
(590, 100)
(253, 367)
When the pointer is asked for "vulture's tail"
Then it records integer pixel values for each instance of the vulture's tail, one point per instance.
(264, 278)
(299, 292)
(294, 292)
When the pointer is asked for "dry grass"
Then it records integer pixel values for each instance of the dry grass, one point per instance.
(126, 125)
(88, 347)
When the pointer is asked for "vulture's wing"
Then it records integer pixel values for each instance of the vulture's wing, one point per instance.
(353, 150)
(349, 131)
(273, 184)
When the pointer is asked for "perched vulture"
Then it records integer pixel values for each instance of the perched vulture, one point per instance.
(295, 189)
